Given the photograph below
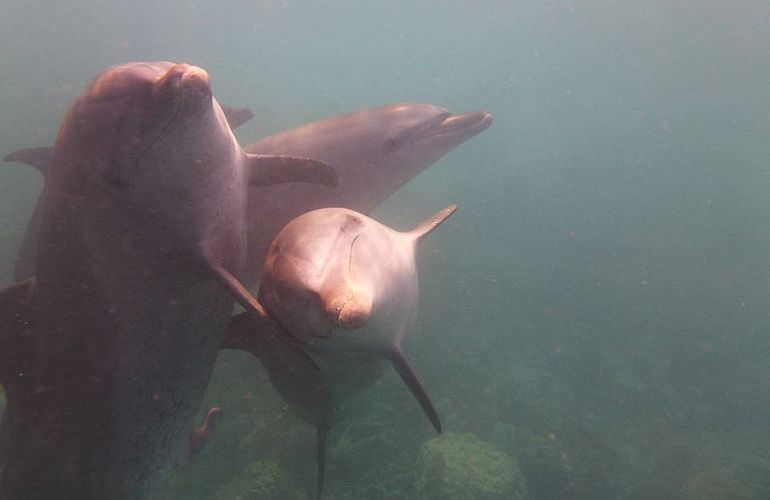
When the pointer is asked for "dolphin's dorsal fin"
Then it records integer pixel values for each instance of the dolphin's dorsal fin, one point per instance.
(427, 226)
(410, 378)
(237, 116)
(40, 158)
(266, 170)
(322, 432)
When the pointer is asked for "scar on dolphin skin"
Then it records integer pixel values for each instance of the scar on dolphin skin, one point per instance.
(343, 250)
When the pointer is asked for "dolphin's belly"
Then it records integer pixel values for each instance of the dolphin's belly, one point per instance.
(111, 410)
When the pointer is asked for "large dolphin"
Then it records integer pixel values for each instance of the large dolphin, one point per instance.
(347, 287)
(374, 151)
(140, 248)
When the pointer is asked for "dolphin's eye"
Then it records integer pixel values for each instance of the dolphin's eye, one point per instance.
(116, 181)
(393, 143)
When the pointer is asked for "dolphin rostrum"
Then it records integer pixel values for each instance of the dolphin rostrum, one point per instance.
(140, 251)
(346, 286)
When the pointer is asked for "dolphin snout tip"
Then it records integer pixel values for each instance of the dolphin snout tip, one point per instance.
(349, 314)
(184, 78)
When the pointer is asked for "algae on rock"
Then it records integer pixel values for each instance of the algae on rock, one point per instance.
(463, 467)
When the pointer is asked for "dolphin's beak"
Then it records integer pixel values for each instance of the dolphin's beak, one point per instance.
(351, 308)
(467, 122)
(191, 83)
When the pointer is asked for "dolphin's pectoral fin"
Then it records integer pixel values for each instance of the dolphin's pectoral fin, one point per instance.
(250, 332)
(239, 292)
(245, 331)
(410, 378)
(237, 116)
(40, 158)
(266, 170)
(16, 319)
(199, 436)
(427, 226)
(322, 432)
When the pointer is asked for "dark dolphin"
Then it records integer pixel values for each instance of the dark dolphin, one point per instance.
(140, 247)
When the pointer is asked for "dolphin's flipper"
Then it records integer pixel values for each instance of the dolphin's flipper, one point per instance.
(322, 432)
(266, 170)
(428, 225)
(40, 158)
(410, 378)
(250, 332)
(199, 436)
(237, 290)
(237, 116)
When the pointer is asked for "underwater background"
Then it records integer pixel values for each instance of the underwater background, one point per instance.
(594, 320)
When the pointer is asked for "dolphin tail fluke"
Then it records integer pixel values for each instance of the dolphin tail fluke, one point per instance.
(40, 158)
(266, 170)
(321, 435)
(239, 292)
(427, 226)
(413, 382)
(237, 116)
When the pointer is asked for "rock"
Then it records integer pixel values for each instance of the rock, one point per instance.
(463, 467)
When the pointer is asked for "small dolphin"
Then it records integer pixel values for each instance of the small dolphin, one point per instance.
(347, 287)
(140, 250)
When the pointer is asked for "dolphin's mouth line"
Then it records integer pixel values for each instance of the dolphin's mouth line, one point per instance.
(351, 293)
(455, 124)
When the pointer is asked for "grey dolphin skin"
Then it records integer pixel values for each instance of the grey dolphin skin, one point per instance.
(40, 158)
(345, 286)
(374, 151)
(140, 251)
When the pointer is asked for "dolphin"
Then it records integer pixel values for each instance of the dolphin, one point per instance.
(140, 249)
(374, 151)
(346, 286)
